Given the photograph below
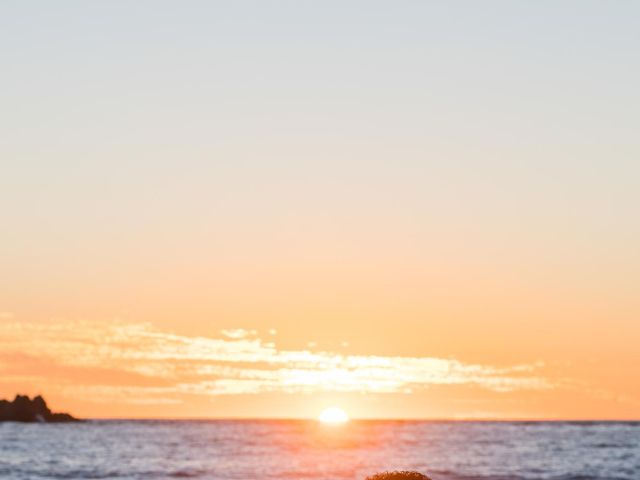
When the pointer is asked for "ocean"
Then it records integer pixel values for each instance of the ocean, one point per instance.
(291, 449)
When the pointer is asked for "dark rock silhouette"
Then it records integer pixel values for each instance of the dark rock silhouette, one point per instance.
(23, 409)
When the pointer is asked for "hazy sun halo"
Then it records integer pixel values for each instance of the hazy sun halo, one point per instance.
(333, 415)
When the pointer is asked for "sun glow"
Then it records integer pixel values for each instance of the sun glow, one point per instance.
(333, 415)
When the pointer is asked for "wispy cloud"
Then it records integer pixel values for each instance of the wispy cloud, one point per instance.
(145, 364)
(238, 333)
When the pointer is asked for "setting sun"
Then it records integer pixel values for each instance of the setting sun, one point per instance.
(333, 415)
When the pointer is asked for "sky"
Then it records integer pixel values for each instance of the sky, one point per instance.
(263, 208)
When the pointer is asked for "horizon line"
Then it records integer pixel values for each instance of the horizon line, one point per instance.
(373, 419)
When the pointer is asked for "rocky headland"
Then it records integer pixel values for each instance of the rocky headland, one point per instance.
(24, 409)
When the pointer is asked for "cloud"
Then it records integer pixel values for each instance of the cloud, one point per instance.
(238, 333)
(145, 364)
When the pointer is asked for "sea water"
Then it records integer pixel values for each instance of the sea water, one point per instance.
(308, 450)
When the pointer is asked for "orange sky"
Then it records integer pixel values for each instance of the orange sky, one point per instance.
(121, 369)
(242, 210)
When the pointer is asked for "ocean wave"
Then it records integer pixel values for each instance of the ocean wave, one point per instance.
(447, 475)
(230, 450)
